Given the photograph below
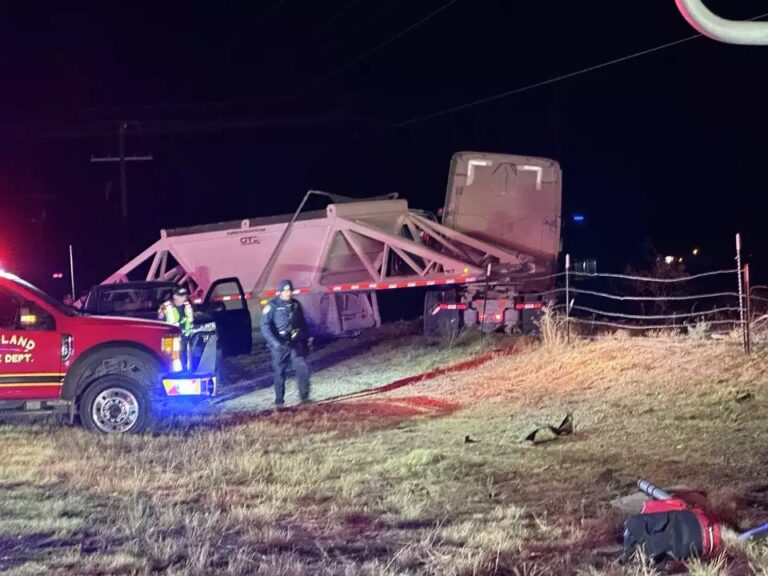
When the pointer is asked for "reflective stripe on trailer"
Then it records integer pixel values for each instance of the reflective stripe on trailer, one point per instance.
(355, 287)
(441, 307)
(225, 298)
(271, 293)
(528, 306)
(393, 285)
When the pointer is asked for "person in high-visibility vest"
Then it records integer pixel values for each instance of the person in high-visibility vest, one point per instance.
(178, 310)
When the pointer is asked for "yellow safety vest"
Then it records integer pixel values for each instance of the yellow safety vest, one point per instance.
(172, 316)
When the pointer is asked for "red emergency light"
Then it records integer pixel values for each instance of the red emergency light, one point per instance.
(58, 275)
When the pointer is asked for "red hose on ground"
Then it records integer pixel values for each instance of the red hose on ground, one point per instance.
(424, 376)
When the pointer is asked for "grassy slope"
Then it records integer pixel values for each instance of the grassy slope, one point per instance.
(388, 485)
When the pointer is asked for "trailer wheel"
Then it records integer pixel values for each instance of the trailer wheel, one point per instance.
(446, 323)
(115, 404)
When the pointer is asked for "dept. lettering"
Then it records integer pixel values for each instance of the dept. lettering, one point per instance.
(16, 349)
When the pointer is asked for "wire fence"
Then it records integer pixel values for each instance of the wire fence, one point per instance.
(700, 302)
(664, 299)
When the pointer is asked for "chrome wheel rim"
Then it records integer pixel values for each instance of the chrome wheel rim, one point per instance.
(115, 410)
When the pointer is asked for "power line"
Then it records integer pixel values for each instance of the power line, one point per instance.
(290, 96)
(367, 53)
(549, 81)
(528, 87)
(322, 28)
(180, 126)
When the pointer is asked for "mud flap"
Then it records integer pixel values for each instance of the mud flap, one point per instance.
(446, 323)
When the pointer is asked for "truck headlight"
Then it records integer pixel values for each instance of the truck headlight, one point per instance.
(171, 347)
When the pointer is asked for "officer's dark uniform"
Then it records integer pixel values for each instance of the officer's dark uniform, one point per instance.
(284, 328)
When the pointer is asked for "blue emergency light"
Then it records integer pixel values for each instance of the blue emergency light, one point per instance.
(578, 218)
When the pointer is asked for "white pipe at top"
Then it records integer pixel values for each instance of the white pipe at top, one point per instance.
(720, 29)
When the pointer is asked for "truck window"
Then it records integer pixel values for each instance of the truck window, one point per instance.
(49, 301)
(19, 314)
(33, 317)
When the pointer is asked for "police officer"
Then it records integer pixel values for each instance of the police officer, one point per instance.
(284, 328)
(177, 310)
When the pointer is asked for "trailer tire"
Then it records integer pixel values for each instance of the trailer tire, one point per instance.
(115, 404)
(444, 324)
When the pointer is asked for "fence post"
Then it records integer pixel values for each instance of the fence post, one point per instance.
(748, 334)
(567, 298)
(741, 292)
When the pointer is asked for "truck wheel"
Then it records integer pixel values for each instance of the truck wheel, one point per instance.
(115, 404)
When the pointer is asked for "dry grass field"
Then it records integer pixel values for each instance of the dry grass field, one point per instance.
(426, 478)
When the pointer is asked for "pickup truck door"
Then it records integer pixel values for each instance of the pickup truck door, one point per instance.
(226, 302)
(30, 350)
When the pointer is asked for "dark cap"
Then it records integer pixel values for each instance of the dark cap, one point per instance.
(181, 291)
(285, 284)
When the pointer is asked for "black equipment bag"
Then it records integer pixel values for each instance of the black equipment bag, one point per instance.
(672, 535)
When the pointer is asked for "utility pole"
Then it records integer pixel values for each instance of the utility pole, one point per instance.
(121, 158)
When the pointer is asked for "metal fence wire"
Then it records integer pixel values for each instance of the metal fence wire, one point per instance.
(635, 302)
(703, 303)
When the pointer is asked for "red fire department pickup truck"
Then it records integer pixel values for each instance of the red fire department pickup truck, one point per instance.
(114, 373)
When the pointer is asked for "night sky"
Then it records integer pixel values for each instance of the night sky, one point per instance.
(245, 106)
